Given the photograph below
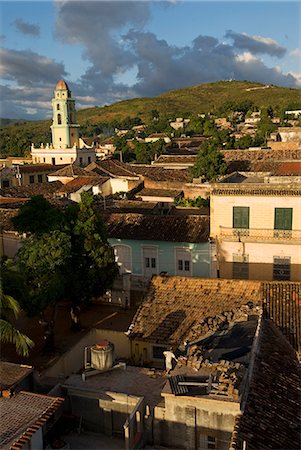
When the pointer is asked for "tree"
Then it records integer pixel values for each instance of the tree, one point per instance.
(42, 260)
(73, 262)
(9, 309)
(210, 162)
(37, 216)
(92, 268)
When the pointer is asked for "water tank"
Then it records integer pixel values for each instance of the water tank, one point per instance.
(102, 355)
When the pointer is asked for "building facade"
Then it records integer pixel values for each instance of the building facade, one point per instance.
(257, 231)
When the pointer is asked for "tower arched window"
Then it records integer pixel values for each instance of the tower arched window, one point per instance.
(58, 106)
(59, 119)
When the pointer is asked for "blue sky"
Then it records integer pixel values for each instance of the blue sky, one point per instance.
(109, 51)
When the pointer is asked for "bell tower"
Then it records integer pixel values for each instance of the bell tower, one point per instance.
(64, 127)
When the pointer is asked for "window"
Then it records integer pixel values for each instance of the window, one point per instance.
(5, 183)
(40, 178)
(283, 218)
(53, 161)
(211, 442)
(158, 352)
(241, 216)
(58, 107)
(150, 261)
(31, 179)
(80, 160)
(240, 268)
(44, 159)
(89, 159)
(59, 119)
(282, 268)
(183, 261)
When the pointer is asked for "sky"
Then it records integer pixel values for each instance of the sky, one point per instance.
(109, 51)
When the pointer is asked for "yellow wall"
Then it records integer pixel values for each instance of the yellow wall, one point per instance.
(261, 211)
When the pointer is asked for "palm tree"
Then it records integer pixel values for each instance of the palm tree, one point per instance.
(8, 333)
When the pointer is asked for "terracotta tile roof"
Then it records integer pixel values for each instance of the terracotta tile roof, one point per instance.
(46, 189)
(161, 174)
(272, 415)
(11, 374)
(22, 415)
(9, 202)
(132, 206)
(159, 193)
(78, 182)
(69, 171)
(191, 229)
(113, 168)
(32, 168)
(179, 308)
(171, 159)
(282, 304)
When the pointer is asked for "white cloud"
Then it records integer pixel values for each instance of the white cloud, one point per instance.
(296, 53)
(246, 57)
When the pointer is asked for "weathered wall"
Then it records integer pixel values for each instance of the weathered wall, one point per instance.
(190, 420)
(166, 253)
(261, 155)
(291, 145)
(73, 360)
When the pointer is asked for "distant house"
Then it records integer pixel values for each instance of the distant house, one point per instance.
(24, 174)
(74, 188)
(179, 123)
(175, 162)
(256, 226)
(160, 195)
(145, 245)
(122, 177)
(156, 137)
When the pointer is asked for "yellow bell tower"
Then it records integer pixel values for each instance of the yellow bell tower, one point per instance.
(64, 127)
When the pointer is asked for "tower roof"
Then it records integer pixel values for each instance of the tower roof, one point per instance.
(62, 86)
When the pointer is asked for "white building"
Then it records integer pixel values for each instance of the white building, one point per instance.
(66, 147)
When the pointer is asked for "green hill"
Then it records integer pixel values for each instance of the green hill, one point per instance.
(213, 97)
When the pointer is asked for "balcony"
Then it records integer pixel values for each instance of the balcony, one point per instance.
(262, 235)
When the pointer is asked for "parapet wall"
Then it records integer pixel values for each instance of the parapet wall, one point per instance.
(281, 154)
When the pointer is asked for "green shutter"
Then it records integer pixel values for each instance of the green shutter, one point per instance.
(283, 218)
(241, 216)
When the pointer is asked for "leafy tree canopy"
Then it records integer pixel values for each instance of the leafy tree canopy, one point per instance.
(37, 216)
(210, 162)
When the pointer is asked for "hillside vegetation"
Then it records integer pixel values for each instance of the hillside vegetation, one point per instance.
(218, 98)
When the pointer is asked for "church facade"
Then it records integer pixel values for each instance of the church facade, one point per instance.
(67, 147)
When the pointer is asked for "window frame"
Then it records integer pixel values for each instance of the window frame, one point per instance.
(284, 267)
(239, 224)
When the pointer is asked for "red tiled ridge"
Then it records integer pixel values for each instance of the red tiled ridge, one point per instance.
(272, 416)
(282, 304)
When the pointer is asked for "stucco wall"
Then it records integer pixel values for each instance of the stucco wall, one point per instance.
(190, 420)
(262, 211)
(166, 251)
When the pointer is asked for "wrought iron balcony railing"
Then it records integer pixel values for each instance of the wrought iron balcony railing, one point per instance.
(260, 234)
